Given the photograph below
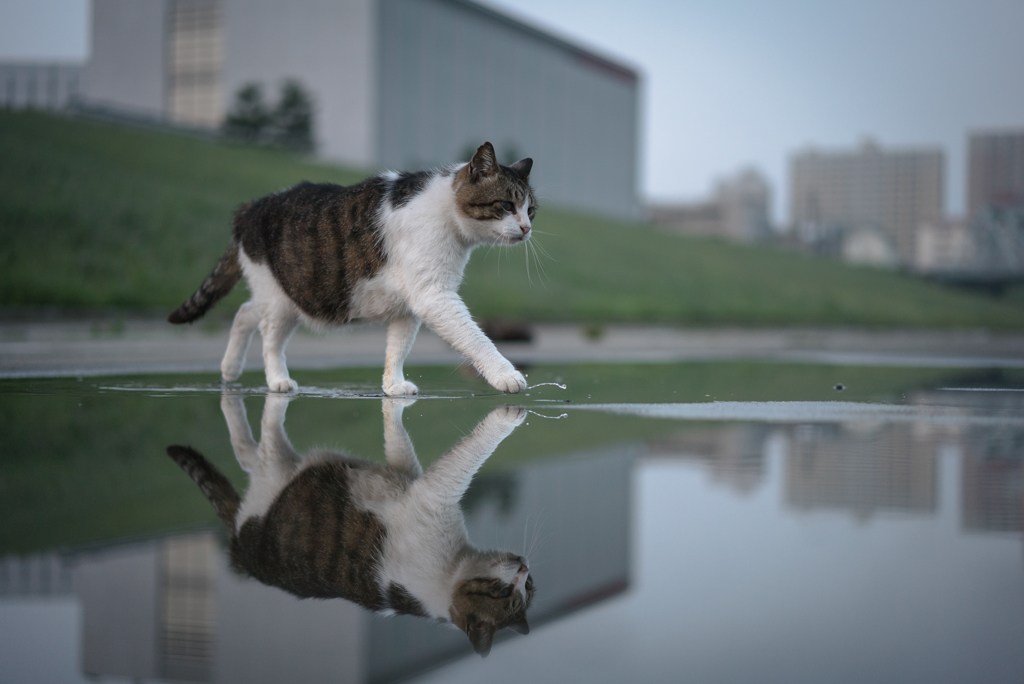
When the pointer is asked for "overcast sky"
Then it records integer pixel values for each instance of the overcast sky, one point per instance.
(734, 83)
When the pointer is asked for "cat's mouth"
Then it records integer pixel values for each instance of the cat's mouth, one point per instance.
(515, 239)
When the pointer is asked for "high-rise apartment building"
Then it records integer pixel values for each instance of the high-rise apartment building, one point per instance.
(995, 170)
(891, 191)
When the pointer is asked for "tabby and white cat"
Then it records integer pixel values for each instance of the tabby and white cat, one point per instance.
(391, 248)
(390, 538)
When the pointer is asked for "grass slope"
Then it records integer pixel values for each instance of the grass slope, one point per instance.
(97, 216)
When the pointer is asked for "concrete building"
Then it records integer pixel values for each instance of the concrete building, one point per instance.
(402, 84)
(171, 608)
(39, 85)
(868, 246)
(739, 210)
(861, 469)
(995, 170)
(893, 191)
(944, 245)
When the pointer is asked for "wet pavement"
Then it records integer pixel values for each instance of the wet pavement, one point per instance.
(723, 521)
(102, 346)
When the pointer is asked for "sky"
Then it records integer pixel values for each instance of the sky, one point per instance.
(728, 84)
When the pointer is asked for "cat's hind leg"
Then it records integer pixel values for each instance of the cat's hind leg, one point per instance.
(277, 327)
(276, 461)
(246, 321)
(242, 442)
(401, 335)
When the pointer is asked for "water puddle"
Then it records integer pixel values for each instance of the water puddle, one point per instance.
(718, 522)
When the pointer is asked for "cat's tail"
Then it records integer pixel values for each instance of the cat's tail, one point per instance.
(217, 285)
(211, 482)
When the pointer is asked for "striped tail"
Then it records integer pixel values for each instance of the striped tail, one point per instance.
(217, 285)
(211, 482)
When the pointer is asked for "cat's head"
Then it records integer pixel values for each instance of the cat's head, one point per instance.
(495, 594)
(495, 201)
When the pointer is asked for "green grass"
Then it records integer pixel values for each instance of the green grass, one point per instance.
(93, 215)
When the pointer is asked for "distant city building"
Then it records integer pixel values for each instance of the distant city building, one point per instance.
(734, 455)
(401, 84)
(888, 469)
(39, 85)
(868, 246)
(995, 170)
(739, 210)
(893, 191)
(997, 236)
(944, 245)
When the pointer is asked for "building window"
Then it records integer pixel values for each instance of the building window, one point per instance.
(194, 62)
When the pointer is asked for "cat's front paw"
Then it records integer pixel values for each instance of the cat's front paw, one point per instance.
(513, 415)
(401, 389)
(512, 382)
(230, 371)
(282, 385)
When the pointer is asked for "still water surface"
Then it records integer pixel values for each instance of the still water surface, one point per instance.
(696, 522)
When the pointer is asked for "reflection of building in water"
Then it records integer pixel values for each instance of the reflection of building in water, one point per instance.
(992, 465)
(992, 480)
(148, 609)
(734, 455)
(879, 468)
(172, 609)
(187, 610)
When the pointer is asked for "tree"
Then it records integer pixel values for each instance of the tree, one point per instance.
(292, 119)
(249, 117)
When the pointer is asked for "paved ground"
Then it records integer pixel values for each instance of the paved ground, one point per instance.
(97, 347)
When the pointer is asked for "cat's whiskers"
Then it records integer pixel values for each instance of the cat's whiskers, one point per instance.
(536, 542)
(538, 249)
(526, 252)
(526, 527)
(543, 251)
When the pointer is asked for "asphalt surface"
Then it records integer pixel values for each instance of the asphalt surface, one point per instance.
(108, 346)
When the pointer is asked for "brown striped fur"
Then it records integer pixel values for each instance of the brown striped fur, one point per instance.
(314, 539)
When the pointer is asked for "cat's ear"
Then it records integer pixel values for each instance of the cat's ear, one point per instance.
(484, 162)
(522, 168)
(520, 626)
(481, 635)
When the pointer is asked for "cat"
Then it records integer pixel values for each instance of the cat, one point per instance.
(390, 538)
(391, 248)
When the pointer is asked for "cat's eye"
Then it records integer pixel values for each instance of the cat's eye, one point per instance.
(505, 593)
(508, 206)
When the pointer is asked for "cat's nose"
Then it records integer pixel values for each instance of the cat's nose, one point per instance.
(525, 227)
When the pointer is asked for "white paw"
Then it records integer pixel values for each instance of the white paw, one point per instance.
(512, 382)
(397, 403)
(282, 385)
(230, 372)
(513, 415)
(401, 389)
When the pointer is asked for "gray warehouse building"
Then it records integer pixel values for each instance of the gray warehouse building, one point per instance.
(399, 84)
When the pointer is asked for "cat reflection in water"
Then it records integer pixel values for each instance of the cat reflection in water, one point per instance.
(390, 538)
